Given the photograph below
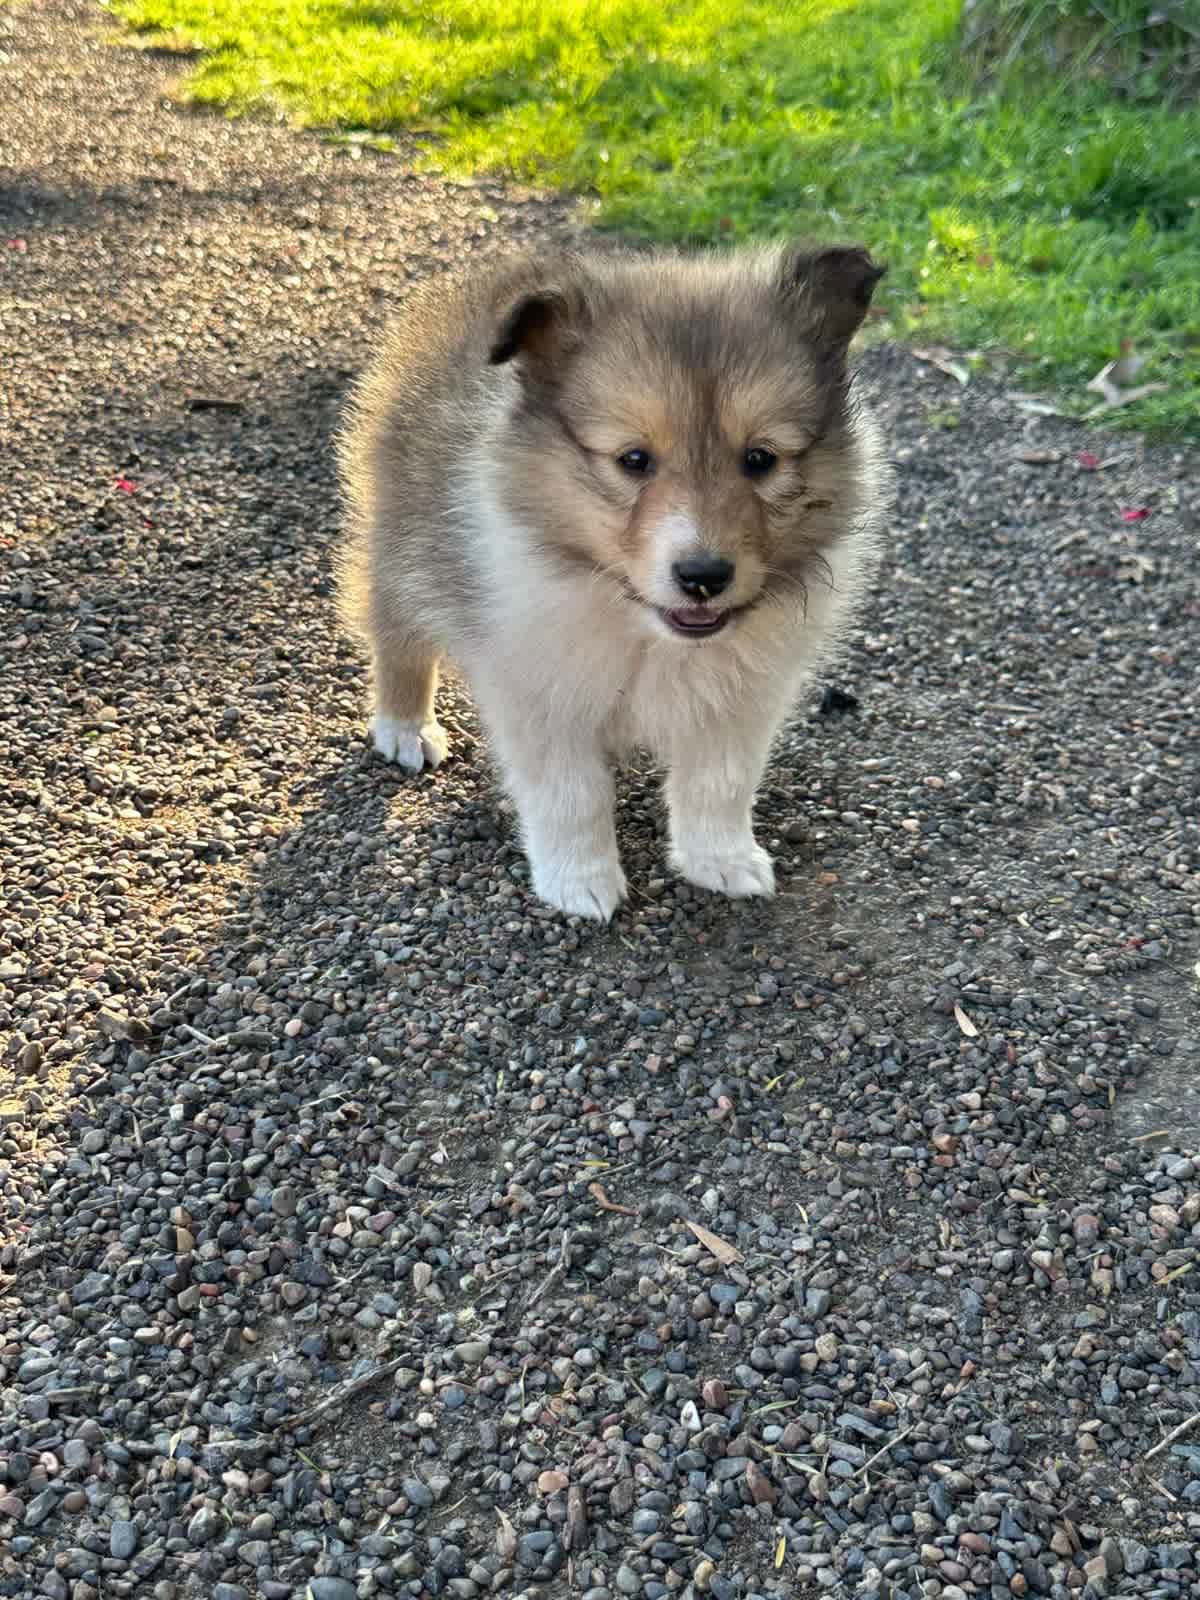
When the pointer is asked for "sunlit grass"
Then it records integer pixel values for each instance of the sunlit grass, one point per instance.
(1050, 221)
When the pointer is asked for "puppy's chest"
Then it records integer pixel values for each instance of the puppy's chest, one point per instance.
(665, 699)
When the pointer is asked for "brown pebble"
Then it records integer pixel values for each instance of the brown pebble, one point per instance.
(1086, 1228)
(552, 1482)
(714, 1395)
(115, 1026)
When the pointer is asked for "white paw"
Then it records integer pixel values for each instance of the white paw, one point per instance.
(741, 869)
(409, 744)
(581, 887)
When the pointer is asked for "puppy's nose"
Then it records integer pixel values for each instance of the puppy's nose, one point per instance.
(702, 577)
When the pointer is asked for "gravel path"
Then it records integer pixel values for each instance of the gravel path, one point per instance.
(353, 1229)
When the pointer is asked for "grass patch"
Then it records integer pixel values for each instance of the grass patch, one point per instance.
(1142, 48)
(1051, 218)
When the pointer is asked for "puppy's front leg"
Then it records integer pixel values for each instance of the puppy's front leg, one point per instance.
(562, 785)
(710, 789)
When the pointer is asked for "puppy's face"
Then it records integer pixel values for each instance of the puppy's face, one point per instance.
(681, 430)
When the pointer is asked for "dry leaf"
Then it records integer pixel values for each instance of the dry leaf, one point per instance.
(1065, 543)
(506, 1537)
(965, 1023)
(596, 1190)
(725, 1253)
(1105, 384)
(1135, 568)
(1122, 397)
(780, 1552)
(945, 362)
(1039, 458)
(1110, 383)
(1179, 1272)
(1034, 407)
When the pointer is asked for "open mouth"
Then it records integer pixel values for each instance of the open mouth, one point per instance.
(695, 622)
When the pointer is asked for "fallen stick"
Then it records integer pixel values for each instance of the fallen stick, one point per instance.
(343, 1392)
(883, 1449)
(1175, 1433)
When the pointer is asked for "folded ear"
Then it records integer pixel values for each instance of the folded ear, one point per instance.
(531, 327)
(834, 285)
(541, 328)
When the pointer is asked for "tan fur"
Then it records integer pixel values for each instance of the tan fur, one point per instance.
(491, 523)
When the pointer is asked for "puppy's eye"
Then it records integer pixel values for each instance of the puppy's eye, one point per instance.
(637, 463)
(758, 462)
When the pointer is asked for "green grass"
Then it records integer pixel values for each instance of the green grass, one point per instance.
(1149, 47)
(1049, 220)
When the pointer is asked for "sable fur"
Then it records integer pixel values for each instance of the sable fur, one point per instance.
(491, 524)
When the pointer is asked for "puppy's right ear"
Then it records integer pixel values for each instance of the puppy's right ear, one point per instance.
(541, 330)
(833, 285)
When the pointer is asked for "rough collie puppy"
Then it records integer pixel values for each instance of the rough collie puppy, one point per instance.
(632, 497)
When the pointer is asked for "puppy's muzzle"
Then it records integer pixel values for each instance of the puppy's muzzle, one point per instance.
(703, 577)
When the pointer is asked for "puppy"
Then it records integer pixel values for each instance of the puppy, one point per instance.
(632, 497)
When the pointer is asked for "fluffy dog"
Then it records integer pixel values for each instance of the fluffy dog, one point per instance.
(633, 498)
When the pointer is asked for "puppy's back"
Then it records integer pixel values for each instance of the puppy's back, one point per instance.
(411, 422)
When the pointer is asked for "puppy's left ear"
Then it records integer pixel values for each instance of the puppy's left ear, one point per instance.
(833, 286)
(535, 327)
(541, 323)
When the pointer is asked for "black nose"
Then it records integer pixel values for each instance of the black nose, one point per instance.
(702, 577)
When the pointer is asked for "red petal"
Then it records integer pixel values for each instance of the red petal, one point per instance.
(126, 485)
(1086, 459)
(1138, 514)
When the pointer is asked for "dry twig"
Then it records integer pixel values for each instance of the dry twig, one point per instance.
(1175, 1433)
(339, 1395)
(596, 1190)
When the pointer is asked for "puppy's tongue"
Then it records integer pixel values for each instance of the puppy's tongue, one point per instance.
(696, 619)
